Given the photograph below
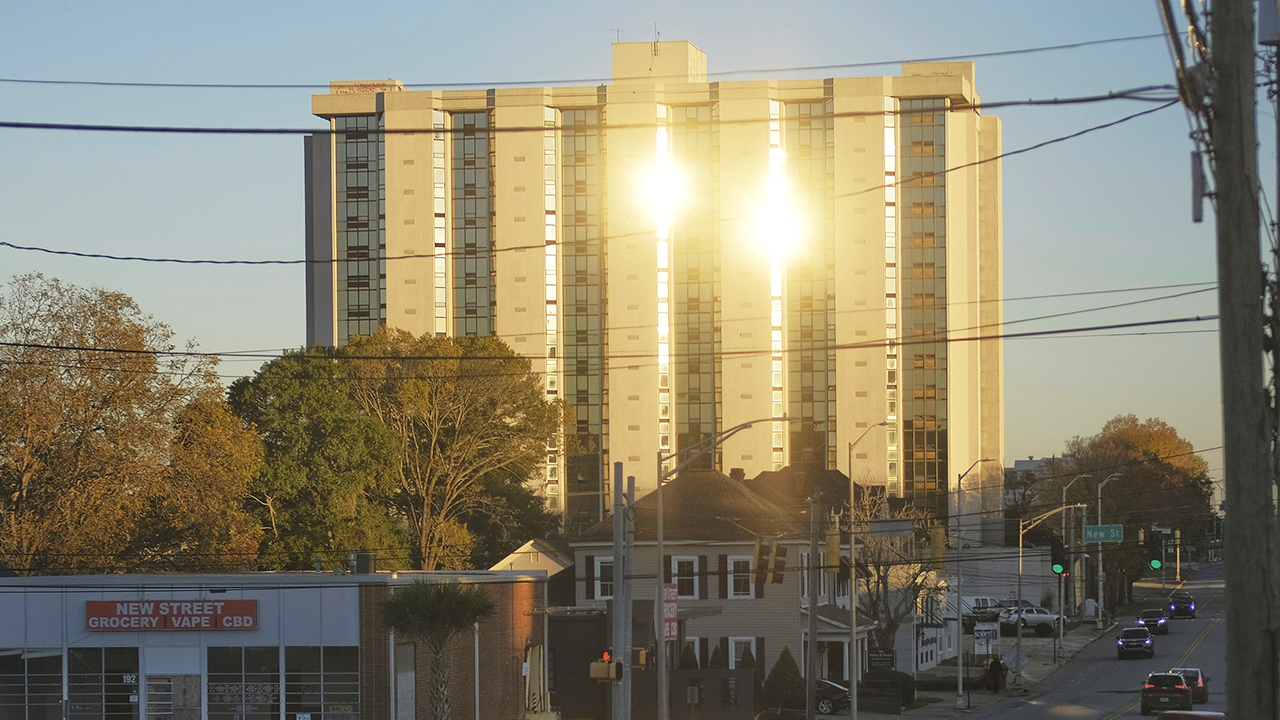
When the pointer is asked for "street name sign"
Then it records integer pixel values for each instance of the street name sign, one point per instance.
(1103, 533)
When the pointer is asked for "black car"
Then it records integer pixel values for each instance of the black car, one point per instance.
(1155, 621)
(1135, 641)
(832, 698)
(1165, 690)
(1181, 604)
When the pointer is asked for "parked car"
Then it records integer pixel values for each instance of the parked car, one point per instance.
(1134, 640)
(1191, 715)
(980, 609)
(1196, 680)
(1155, 621)
(1030, 617)
(832, 698)
(1181, 604)
(1165, 690)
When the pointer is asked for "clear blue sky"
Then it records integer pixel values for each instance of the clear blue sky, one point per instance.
(1104, 212)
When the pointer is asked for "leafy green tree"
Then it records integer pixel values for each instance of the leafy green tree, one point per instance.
(785, 685)
(90, 391)
(510, 514)
(433, 613)
(467, 411)
(195, 518)
(330, 471)
(1159, 480)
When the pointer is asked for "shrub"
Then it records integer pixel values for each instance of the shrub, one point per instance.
(718, 660)
(784, 687)
(688, 658)
(906, 683)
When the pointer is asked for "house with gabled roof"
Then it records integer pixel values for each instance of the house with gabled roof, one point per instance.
(711, 524)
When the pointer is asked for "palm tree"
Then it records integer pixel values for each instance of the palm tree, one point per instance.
(433, 613)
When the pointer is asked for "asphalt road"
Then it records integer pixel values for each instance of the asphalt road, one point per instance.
(1095, 685)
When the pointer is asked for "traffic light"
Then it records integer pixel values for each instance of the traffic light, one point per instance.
(763, 556)
(938, 546)
(1154, 551)
(1057, 556)
(777, 563)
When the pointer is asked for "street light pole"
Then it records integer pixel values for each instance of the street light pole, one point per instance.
(1101, 485)
(1023, 527)
(960, 700)
(853, 587)
(703, 447)
(1062, 627)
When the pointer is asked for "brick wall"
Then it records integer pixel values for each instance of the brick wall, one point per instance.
(503, 640)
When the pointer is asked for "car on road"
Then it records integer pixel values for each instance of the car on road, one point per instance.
(1196, 680)
(1181, 604)
(1135, 641)
(1165, 690)
(1154, 620)
(1030, 617)
(1190, 715)
(832, 698)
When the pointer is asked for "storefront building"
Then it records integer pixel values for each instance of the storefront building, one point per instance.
(254, 646)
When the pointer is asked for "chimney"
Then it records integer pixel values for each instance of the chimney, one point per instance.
(738, 474)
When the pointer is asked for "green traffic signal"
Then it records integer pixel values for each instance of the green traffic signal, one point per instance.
(1155, 564)
(1057, 568)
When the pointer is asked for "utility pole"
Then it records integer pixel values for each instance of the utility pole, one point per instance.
(1250, 539)
(811, 652)
(620, 700)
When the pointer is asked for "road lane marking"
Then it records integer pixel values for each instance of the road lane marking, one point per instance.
(1181, 661)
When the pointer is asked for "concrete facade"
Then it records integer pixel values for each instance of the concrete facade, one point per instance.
(679, 256)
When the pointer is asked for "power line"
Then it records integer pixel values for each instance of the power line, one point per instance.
(583, 81)
(1140, 94)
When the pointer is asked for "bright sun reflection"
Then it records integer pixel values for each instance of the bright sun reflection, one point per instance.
(778, 225)
(665, 186)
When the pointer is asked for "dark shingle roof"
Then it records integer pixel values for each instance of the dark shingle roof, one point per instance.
(706, 505)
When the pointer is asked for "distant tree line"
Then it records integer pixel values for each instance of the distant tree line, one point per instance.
(121, 453)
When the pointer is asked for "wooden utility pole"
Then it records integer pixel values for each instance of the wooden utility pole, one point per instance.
(1252, 622)
(811, 651)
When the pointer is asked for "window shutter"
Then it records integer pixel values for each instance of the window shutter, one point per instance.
(724, 650)
(702, 577)
(758, 585)
(724, 576)
(591, 577)
(760, 666)
(704, 645)
(666, 568)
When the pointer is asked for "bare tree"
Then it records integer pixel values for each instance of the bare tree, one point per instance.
(892, 577)
(464, 409)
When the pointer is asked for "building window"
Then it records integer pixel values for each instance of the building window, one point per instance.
(684, 573)
(740, 581)
(31, 683)
(604, 577)
(244, 683)
(323, 681)
(738, 646)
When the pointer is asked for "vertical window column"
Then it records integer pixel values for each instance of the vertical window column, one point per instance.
(440, 269)
(361, 217)
(663, 231)
(777, 264)
(891, 296)
(473, 265)
(552, 282)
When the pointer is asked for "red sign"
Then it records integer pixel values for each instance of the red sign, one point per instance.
(148, 615)
(670, 617)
